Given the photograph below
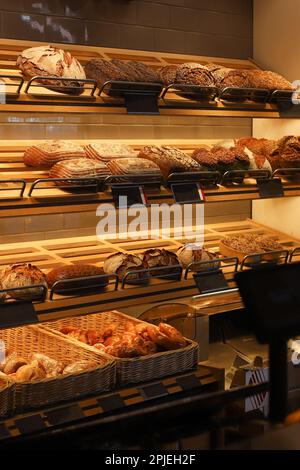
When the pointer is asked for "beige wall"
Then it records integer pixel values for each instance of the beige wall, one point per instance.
(276, 47)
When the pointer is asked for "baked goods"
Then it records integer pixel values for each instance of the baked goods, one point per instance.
(106, 152)
(49, 61)
(52, 367)
(2, 294)
(251, 243)
(120, 263)
(268, 80)
(158, 258)
(207, 159)
(191, 73)
(230, 159)
(134, 340)
(194, 253)
(48, 153)
(103, 70)
(167, 74)
(12, 363)
(133, 166)
(24, 275)
(169, 159)
(79, 168)
(227, 77)
(72, 272)
(29, 373)
(287, 153)
(79, 366)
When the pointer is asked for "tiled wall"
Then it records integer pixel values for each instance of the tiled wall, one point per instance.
(214, 27)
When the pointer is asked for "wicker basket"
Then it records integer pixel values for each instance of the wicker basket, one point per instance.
(31, 339)
(7, 395)
(137, 369)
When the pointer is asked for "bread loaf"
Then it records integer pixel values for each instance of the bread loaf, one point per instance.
(120, 263)
(79, 168)
(193, 253)
(103, 70)
(30, 373)
(48, 61)
(24, 275)
(48, 153)
(52, 367)
(133, 166)
(106, 152)
(72, 272)
(268, 80)
(159, 258)
(227, 77)
(167, 74)
(194, 74)
(169, 159)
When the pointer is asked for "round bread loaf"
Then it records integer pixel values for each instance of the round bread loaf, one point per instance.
(167, 74)
(24, 275)
(120, 263)
(226, 77)
(193, 253)
(194, 74)
(205, 158)
(48, 61)
(158, 258)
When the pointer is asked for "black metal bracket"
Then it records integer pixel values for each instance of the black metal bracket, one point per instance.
(204, 178)
(192, 92)
(37, 82)
(295, 253)
(238, 176)
(145, 179)
(214, 264)
(139, 97)
(20, 188)
(293, 173)
(259, 95)
(78, 184)
(267, 257)
(87, 283)
(140, 276)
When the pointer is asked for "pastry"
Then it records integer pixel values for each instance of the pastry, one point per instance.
(106, 152)
(51, 367)
(79, 366)
(48, 153)
(12, 363)
(169, 159)
(29, 373)
(166, 336)
(167, 74)
(206, 158)
(72, 272)
(48, 61)
(158, 258)
(193, 253)
(79, 168)
(103, 70)
(194, 74)
(121, 263)
(268, 80)
(24, 275)
(133, 166)
(227, 77)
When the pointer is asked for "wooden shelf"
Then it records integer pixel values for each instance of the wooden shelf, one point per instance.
(44, 100)
(47, 254)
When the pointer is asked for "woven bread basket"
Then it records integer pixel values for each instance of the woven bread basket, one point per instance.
(31, 339)
(133, 370)
(7, 395)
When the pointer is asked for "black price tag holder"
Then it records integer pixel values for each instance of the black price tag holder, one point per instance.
(15, 313)
(132, 195)
(270, 188)
(139, 97)
(188, 193)
(209, 276)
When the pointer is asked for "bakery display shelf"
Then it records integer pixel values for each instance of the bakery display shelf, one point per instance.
(56, 418)
(48, 254)
(28, 190)
(32, 96)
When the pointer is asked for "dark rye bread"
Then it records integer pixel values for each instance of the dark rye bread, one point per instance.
(146, 73)
(167, 74)
(169, 159)
(103, 70)
(194, 74)
(226, 77)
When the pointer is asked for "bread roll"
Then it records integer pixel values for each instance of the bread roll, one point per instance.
(48, 61)
(24, 275)
(106, 152)
(79, 366)
(29, 373)
(72, 272)
(193, 253)
(48, 153)
(12, 363)
(51, 367)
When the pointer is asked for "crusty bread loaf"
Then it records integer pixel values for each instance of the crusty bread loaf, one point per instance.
(103, 70)
(120, 263)
(48, 153)
(24, 275)
(227, 77)
(48, 61)
(167, 74)
(133, 166)
(72, 272)
(194, 74)
(79, 168)
(193, 253)
(159, 258)
(169, 159)
(108, 151)
(268, 80)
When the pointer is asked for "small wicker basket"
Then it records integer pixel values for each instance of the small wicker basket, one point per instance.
(7, 394)
(31, 339)
(134, 370)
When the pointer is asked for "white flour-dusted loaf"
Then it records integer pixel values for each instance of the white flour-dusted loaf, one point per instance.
(48, 61)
